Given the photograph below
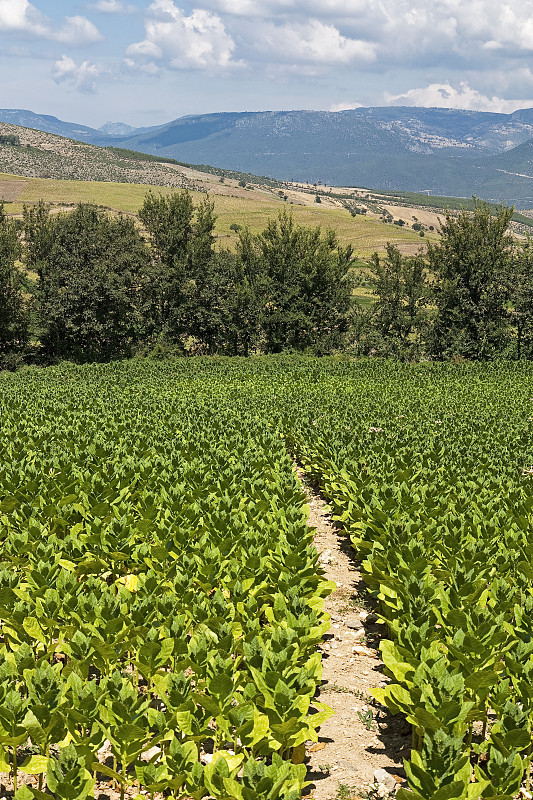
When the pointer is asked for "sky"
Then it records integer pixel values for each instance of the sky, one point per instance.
(146, 63)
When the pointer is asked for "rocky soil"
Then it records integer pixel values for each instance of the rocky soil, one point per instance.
(361, 747)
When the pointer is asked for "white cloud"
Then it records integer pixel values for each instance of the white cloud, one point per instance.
(113, 7)
(471, 30)
(268, 8)
(199, 41)
(444, 95)
(20, 16)
(346, 106)
(83, 77)
(247, 8)
(75, 31)
(312, 42)
(407, 29)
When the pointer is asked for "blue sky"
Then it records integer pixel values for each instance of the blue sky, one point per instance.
(146, 63)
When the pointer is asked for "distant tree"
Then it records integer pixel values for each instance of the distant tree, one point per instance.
(470, 265)
(11, 139)
(399, 313)
(302, 280)
(91, 293)
(13, 316)
(182, 239)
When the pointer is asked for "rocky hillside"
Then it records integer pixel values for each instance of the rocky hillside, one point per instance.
(432, 151)
(439, 151)
(46, 155)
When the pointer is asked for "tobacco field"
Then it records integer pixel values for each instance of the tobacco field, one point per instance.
(160, 593)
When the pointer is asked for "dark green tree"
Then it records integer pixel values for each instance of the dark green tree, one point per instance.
(38, 235)
(399, 314)
(520, 290)
(182, 239)
(93, 273)
(223, 313)
(13, 314)
(470, 265)
(301, 279)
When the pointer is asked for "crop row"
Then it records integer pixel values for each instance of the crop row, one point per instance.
(159, 594)
(429, 471)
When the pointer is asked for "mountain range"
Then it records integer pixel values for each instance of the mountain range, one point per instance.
(439, 151)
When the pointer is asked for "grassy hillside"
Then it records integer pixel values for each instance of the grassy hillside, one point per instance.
(251, 208)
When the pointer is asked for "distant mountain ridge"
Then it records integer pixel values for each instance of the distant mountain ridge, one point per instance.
(117, 129)
(440, 151)
(47, 124)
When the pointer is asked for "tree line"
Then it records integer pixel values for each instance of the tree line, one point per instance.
(90, 286)
(470, 295)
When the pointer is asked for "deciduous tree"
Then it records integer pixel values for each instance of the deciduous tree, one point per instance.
(93, 271)
(302, 280)
(399, 313)
(13, 316)
(470, 264)
(182, 239)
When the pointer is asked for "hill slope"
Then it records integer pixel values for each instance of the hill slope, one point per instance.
(440, 151)
(47, 155)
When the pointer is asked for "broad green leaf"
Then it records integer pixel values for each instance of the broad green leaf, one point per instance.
(34, 765)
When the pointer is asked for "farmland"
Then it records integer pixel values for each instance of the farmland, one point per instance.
(233, 205)
(159, 589)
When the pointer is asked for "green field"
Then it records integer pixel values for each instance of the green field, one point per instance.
(366, 235)
(159, 586)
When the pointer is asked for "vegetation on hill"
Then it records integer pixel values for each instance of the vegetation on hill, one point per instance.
(411, 199)
(247, 177)
(136, 156)
(95, 287)
(36, 154)
(10, 138)
(101, 291)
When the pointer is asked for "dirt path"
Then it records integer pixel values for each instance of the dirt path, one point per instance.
(350, 749)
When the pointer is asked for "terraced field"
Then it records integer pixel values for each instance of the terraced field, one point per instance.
(253, 208)
(161, 601)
